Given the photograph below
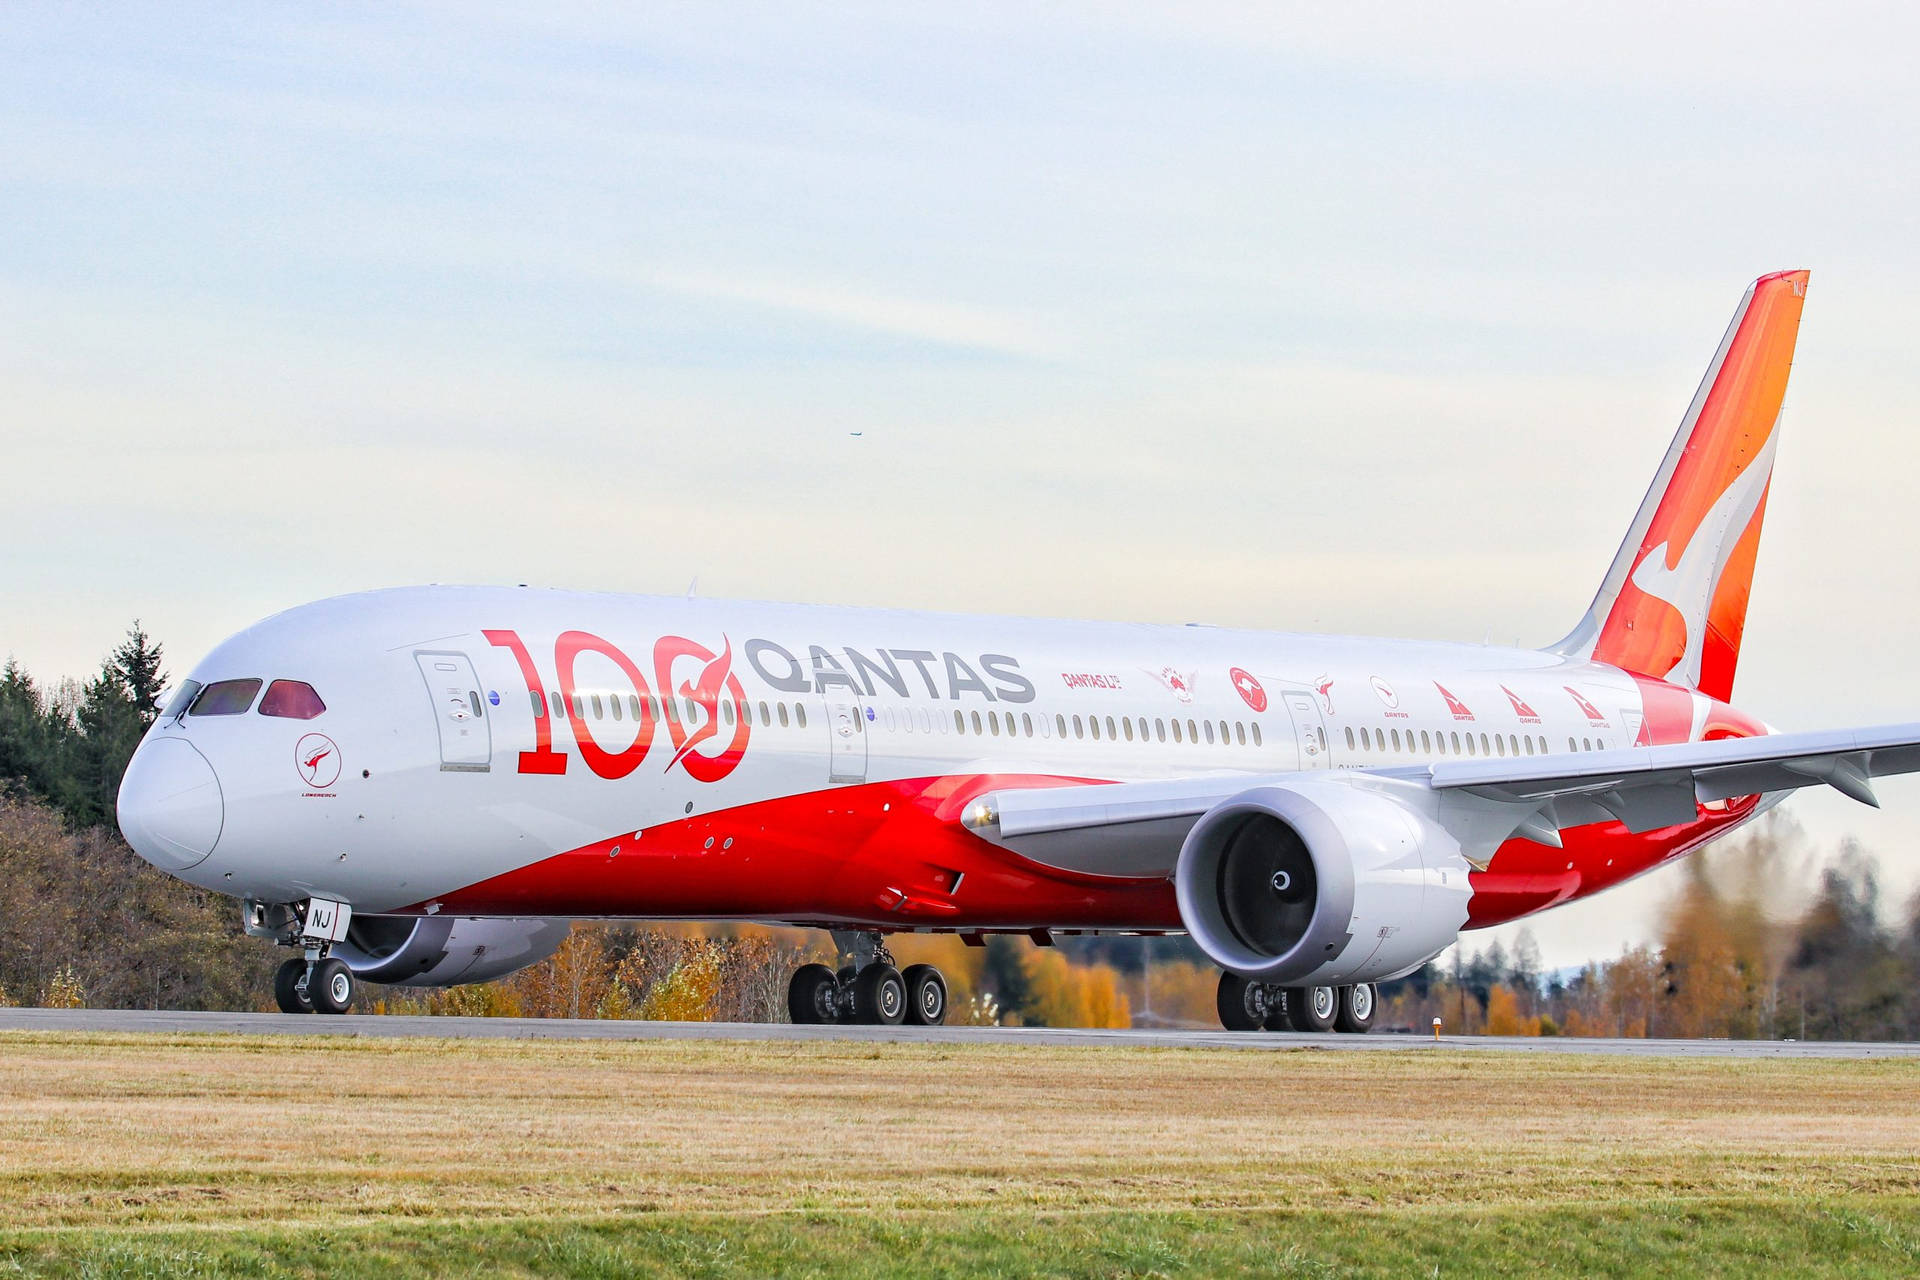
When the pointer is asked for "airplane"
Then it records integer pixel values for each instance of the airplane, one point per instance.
(426, 786)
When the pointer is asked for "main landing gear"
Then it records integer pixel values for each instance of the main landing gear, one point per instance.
(867, 988)
(1246, 1005)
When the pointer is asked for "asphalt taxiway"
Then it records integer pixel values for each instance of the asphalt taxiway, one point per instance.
(369, 1025)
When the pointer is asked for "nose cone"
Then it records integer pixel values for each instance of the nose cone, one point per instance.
(171, 810)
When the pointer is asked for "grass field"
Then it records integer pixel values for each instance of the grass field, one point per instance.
(155, 1155)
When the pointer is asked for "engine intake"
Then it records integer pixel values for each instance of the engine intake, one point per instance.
(443, 951)
(1321, 880)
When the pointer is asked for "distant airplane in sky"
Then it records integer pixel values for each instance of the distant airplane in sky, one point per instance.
(423, 786)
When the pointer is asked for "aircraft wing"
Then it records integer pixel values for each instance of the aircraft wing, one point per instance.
(1649, 787)
(1135, 828)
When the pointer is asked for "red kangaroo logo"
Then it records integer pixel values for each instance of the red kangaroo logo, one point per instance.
(716, 678)
(313, 761)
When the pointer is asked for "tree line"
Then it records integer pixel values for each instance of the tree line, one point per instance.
(1762, 936)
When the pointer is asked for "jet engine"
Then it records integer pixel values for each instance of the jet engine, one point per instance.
(441, 951)
(1325, 880)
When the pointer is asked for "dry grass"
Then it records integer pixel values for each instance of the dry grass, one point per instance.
(117, 1132)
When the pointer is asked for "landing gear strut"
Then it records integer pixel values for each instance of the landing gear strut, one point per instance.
(867, 988)
(1248, 1005)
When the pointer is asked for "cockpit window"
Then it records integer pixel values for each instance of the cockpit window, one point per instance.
(291, 700)
(182, 699)
(225, 698)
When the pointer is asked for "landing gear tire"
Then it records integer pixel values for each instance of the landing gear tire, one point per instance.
(289, 987)
(330, 986)
(879, 996)
(926, 995)
(813, 995)
(1358, 1005)
(1246, 1005)
(1313, 1009)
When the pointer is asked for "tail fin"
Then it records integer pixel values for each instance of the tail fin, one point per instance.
(1674, 602)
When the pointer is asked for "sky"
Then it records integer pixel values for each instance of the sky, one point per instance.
(1375, 321)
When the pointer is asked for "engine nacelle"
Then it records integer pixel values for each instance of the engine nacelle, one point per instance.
(1326, 880)
(442, 951)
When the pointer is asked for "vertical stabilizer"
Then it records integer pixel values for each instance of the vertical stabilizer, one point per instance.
(1674, 602)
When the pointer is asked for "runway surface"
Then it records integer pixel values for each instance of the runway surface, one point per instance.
(254, 1024)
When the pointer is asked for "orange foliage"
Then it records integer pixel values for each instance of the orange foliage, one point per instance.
(1503, 1014)
(1068, 995)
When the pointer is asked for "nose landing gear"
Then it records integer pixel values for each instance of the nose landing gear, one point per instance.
(323, 984)
(867, 989)
(314, 982)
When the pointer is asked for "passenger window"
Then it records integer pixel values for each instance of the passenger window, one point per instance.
(1076, 728)
(783, 713)
(1193, 733)
(473, 700)
(1440, 744)
(559, 706)
(1060, 726)
(291, 700)
(1396, 740)
(613, 705)
(633, 705)
(1470, 750)
(598, 712)
(1240, 732)
(1499, 745)
(1093, 727)
(959, 721)
(1599, 744)
(1425, 746)
(1009, 719)
(1126, 726)
(225, 698)
(993, 723)
(1111, 735)
(1176, 731)
(539, 704)
(1585, 745)
(579, 707)
(1209, 733)
(1256, 736)
(1349, 737)
(1026, 725)
(1159, 729)
(1485, 750)
(976, 723)
(800, 714)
